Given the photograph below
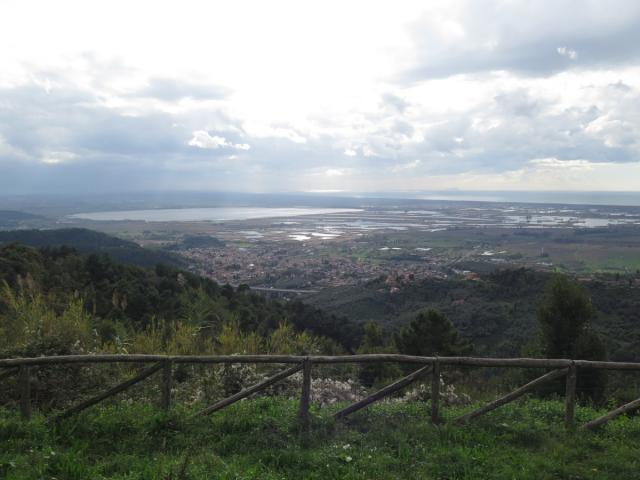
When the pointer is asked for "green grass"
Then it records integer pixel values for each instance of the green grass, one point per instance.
(258, 439)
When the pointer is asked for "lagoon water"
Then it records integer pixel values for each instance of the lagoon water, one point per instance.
(213, 214)
(536, 197)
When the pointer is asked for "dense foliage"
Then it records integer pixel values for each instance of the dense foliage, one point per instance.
(90, 241)
(375, 341)
(431, 334)
(564, 317)
(10, 219)
(95, 302)
(54, 300)
(497, 312)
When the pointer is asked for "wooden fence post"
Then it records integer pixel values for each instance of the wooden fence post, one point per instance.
(165, 385)
(435, 392)
(570, 398)
(305, 399)
(24, 382)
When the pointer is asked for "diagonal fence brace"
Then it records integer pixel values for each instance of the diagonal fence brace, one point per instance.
(249, 391)
(9, 372)
(593, 424)
(394, 387)
(513, 395)
(111, 392)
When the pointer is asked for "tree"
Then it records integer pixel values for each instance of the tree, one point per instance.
(431, 333)
(375, 341)
(564, 317)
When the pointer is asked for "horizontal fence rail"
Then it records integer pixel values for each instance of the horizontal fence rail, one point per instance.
(429, 366)
(324, 359)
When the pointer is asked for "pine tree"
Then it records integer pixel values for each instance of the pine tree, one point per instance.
(375, 341)
(429, 334)
(564, 317)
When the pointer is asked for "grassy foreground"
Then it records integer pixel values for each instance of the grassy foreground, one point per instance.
(258, 439)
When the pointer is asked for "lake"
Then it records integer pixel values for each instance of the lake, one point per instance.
(212, 214)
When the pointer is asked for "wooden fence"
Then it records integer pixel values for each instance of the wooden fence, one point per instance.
(428, 366)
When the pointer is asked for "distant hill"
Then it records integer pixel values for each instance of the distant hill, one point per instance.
(14, 218)
(90, 241)
(14, 215)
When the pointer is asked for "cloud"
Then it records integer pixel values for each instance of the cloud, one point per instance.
(528, 38)
(171, 89)
(555, 163)
(202, 139)
(567, 52)
(406, 166)
(54, 158)
(335, 172)
(9, 152)
(394, 101)
(470, 93)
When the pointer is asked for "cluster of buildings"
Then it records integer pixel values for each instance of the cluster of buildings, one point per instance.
(298, 267)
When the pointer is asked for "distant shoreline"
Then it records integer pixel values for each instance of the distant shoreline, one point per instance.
(209, 214)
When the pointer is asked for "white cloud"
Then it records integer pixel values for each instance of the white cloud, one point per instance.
(474, 90)
(53, 158)
(567, 52)
(9, 151)
(202, 139)
(406, 166)
(556, 164)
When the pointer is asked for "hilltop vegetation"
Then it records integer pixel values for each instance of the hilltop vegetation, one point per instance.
(89, 241)
(57, 301)
(54, 301)
(14, 218)
(496, 312)
(118, 301)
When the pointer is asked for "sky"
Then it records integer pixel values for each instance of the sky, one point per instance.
(358, 96)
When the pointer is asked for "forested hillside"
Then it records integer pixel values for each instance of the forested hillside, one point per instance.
(496, 311)
(14, 218)
(90, 241)
(121, 300)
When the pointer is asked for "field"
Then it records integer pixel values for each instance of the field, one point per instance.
(257, 439)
